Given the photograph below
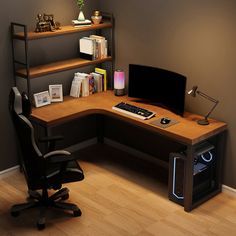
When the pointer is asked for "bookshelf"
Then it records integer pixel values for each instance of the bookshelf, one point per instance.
(23, 69)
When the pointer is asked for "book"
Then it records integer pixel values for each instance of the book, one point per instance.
(97, 82)
(87, 48)
(104, 74)
(80, 85)
(91, 84)
(83, 77)
(81, 22)
(101, 45)
(75, 88)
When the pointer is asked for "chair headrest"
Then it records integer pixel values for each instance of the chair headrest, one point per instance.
(16, 100)
(20, 103)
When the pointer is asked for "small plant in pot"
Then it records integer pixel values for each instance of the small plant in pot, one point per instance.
(80, 4)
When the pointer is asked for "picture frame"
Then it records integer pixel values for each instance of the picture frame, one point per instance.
(56, 93)
(42, 99)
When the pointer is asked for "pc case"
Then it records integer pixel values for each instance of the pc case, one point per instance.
(203, 173)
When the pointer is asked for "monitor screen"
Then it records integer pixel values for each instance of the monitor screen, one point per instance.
(158, 87)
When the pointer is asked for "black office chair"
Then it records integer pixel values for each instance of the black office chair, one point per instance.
(42, 171)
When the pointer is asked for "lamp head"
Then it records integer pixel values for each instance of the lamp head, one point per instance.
(193, 91)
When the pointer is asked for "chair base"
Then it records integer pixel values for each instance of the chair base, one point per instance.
(43, 202)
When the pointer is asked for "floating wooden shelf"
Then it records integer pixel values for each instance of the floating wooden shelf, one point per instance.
(59, 66)
(69, 29)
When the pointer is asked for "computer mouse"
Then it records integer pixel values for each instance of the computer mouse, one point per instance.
(165, 120)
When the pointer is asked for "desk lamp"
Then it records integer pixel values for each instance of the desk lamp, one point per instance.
(193, 93)
(119, 82)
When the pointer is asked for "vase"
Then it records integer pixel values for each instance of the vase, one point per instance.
(96, 18)
(81, 16)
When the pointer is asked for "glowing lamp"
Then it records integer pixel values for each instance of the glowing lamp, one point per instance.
(119, 82)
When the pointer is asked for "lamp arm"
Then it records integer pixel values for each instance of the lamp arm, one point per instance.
(207, 97)
(216, 102)
(210, 99)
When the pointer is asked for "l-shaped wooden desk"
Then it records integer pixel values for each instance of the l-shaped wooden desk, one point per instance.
(186, 132)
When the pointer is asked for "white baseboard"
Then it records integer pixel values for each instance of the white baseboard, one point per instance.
(8, 172)
(228, 190)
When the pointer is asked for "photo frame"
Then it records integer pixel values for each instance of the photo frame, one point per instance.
(42, 99)
(56, 93)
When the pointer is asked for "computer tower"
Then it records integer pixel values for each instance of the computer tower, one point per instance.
(203, 173)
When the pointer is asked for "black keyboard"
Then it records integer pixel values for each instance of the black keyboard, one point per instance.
(134, 111)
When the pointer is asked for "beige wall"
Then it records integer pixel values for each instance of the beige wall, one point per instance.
(194, 38)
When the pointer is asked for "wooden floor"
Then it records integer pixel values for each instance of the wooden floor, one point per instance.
(119, 196)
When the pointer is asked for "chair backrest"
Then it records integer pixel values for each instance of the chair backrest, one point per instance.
(32, 158)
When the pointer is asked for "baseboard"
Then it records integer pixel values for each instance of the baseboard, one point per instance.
(228, 190)
(8, 172)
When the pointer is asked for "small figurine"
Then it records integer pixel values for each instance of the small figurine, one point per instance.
(45, 23)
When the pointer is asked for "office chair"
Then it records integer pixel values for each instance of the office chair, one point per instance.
(42, 171)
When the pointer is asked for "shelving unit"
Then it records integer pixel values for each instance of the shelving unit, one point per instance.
(23, 69)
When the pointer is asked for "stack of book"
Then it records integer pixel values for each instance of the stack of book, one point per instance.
(93, 47)
(102, 75)
(80, 85)
(85, 84)
(78, 23)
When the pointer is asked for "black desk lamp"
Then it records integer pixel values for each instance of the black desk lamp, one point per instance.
(193, 93)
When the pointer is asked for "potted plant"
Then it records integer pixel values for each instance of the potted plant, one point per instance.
(80, 4)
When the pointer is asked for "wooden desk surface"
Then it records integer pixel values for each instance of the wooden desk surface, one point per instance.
(186, 131)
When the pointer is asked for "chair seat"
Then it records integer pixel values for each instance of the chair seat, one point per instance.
(72, 173)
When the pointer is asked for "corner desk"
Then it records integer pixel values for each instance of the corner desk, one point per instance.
(187, 132)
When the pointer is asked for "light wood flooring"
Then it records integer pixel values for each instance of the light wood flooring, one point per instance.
(119, 196)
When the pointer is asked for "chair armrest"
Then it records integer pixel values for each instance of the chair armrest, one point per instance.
(59, 156)
(51, 141)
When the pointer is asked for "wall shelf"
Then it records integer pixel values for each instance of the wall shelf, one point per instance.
(69, 29)
(59, 66)
(23, 69)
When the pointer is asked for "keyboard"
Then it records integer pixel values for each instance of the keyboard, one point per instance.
(134, 111)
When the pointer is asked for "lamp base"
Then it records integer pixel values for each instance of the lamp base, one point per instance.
(119, 92)
(203, 122)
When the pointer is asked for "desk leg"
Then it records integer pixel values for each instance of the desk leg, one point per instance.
(220, 153)
(188, 179)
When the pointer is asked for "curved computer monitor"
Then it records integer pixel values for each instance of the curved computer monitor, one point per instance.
(158, 87)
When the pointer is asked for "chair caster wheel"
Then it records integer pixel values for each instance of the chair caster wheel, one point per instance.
(40, 226)
(15, 213)
(77, 213)
(65, 197)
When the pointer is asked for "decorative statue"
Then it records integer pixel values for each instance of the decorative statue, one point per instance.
(45, 23)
